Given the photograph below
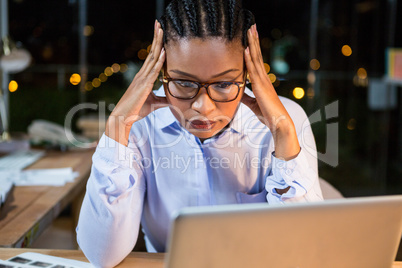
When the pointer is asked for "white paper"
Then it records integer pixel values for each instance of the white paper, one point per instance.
(52, 177)
(6, 183)
(32, 260)
(37, 177)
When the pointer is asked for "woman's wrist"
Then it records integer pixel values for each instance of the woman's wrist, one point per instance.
(286, 143)
(118, 129)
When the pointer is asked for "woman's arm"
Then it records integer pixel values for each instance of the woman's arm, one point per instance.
(139, 100)
(111, 211)
(292, 176)
(300, 174)
(266, 104)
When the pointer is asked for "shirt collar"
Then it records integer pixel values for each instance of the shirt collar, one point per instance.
(163, 118)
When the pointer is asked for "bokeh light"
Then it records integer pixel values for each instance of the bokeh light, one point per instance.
(315, 64)
(272, 77)
(142, 54)
(267, 67)
(266, 43)
(310, 93)
(13, 86)
(108, 71)
(88, 30)
(88, 86)
(96, 82)
(115, 67)
(362, 73)
(346, 50)
(75, 79)
(103, 77)
(298, 92)
(351, 124)
(123, 68)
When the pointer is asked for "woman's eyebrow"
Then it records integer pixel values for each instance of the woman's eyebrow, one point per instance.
(196, 78)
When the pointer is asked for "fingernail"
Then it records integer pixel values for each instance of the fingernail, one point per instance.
(247, 50)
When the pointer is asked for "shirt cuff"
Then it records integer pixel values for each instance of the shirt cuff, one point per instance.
(295, 173)
(111, 151)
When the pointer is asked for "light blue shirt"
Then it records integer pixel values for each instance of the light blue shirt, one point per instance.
(165, 168)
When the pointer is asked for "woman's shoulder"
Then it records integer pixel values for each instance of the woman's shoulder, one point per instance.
(293, 108)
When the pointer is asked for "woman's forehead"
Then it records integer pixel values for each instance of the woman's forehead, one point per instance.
(197, 48)
(204, 55)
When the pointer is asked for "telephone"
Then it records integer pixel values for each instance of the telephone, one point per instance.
(55, 134)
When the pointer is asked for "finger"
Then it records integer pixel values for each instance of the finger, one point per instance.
(158, 101)
(254, 76)
(162, 101)
(258, 46)
(154, 71)
(251, 103)
(154, 51)
(255, 51)
(246, 99)
(252, 50)
(146, 62)
(256, 54)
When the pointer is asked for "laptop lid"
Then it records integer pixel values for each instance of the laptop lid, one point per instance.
(352, 232)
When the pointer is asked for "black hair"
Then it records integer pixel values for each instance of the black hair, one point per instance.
(206, 18)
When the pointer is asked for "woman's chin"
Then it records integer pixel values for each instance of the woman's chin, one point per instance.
(203, 134)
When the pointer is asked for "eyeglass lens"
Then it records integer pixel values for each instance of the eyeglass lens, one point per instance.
(223, 91)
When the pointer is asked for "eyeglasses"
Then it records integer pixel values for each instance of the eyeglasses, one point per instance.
(217, 91)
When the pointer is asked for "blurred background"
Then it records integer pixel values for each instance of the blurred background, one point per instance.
(331, 57)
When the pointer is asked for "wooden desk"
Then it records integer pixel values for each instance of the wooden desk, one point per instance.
(29, 210)
(135, 259)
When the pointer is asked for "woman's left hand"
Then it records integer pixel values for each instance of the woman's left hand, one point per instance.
(266, 104)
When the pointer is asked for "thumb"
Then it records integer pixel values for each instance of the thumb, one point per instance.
(157, 101)
(248, 100)
(251, 103)
(161, 101)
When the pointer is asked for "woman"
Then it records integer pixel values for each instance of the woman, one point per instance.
(202, 141)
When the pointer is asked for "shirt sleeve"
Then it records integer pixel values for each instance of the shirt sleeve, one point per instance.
(111, 211)
(300, 173)
(296, 173)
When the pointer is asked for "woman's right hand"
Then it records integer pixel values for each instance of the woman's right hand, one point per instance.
(139, 100)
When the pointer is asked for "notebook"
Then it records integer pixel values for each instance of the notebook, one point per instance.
(351, 232)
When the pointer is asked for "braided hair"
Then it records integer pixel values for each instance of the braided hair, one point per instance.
(206, 18)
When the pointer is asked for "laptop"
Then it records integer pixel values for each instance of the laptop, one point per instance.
(351, 232)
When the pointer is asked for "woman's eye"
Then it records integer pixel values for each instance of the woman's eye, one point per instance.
(222, 85)
(186, 84)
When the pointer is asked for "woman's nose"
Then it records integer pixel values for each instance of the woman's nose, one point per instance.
(203, 103)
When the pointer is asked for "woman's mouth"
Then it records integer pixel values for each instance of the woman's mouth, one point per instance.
(202, 124)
